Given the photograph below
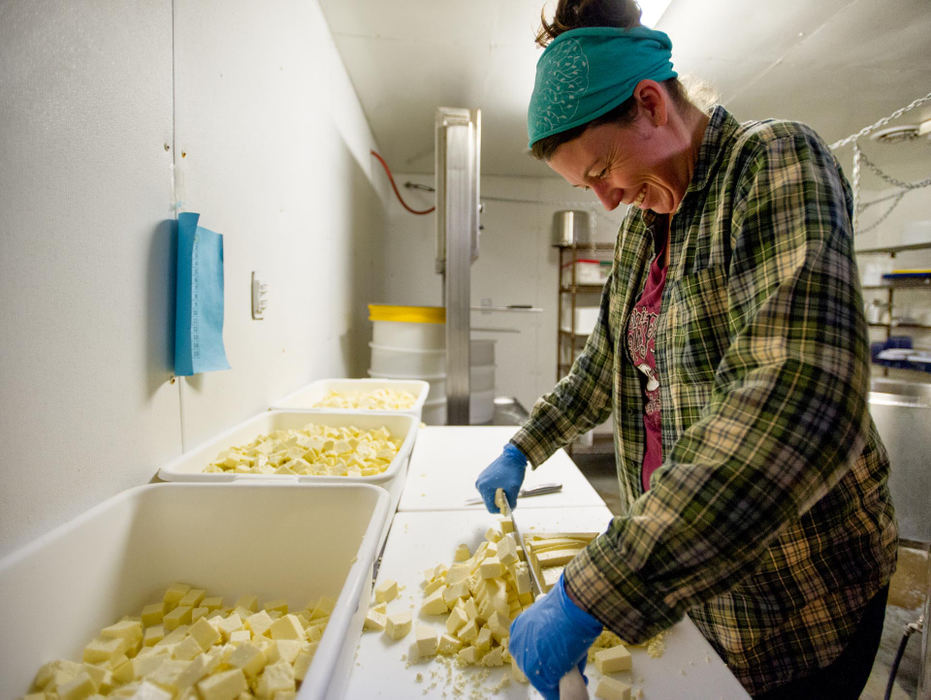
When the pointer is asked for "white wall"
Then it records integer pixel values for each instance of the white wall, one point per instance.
(111, 114)
(516, 265)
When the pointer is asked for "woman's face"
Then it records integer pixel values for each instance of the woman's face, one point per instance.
(631, 164)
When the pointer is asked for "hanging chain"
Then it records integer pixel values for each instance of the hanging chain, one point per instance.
(896, 199)
(859, 156)
(873, 203)
(893, 181)
(856, 188)
(882, 122)
(904, 187)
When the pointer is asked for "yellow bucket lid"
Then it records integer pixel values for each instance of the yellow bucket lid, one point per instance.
(409, 314)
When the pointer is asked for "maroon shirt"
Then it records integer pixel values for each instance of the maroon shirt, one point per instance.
(641, 339)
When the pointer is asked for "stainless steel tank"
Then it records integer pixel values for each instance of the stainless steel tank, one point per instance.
(902, 412)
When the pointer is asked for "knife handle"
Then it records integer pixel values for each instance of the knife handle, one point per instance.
(572, 686)
(501, 500)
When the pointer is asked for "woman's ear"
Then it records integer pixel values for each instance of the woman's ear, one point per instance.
(652, 101)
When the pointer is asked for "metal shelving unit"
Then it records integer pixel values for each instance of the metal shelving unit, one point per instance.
(892, 287)
(569, 341)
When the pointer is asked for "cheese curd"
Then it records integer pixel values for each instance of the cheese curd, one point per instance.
(475, 599)
(227, 652)
(372, 400)
(320, 450)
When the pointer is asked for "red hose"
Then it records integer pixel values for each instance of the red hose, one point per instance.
(395, 188)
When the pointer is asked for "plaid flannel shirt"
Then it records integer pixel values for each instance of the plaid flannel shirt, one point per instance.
(770, 521)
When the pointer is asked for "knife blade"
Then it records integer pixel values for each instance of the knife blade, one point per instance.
(572, 685)
(551, 487)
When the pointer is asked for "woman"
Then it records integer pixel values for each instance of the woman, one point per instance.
(732, 349)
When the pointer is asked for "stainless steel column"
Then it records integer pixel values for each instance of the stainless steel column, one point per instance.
(458, 139)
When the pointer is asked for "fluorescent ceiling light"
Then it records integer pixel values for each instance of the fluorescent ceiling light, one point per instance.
(651, 11)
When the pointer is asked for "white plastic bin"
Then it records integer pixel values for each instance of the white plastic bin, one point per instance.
(585, 319)
(190, 466)
(306, 397)
(590, 271)
(269, 540)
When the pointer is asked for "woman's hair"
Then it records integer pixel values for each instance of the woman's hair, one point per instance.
(573, 14)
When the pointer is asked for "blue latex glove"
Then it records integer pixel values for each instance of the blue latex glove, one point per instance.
(506, 472)
(550, 637)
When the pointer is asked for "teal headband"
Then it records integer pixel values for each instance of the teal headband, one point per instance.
(585, 73)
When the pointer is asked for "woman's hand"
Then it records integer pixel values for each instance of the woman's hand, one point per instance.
(550, 638)
(506, 472)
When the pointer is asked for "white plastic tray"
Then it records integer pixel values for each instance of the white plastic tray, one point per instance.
(269, 540)
(305, 398)
(190, 465)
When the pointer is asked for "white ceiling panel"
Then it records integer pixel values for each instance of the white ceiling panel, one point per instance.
(836, 64)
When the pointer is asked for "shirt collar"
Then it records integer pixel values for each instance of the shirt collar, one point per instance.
(721, 127)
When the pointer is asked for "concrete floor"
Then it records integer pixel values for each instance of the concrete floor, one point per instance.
(910, 585)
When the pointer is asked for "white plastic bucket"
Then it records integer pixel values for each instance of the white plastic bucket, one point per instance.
(481, 406)
(407, 362)
(401, 334)
(481, 352)
(481, 409)
(434, 412)
(481, 379)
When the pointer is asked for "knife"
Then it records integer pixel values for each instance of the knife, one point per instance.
(572, 685)
(552, 487)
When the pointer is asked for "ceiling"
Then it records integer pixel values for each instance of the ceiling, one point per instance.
(839, 65)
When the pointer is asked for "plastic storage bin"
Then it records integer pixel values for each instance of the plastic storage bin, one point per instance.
(304, 399)
(585, 319)
(270, 540)
(590, 271)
